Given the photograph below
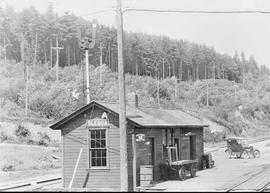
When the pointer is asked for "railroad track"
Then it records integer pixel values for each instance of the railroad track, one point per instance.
(33, 185)
(258, 181)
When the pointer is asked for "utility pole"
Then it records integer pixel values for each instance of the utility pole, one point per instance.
(207, 95)
(175, 88)
(235, 93)
(122, 101)
(57, 58)
(26, 72)
(87, 76)
(87, 44)
(51, 53)
(169, 70)
(181, 69)
(158, 98)
(163, 68)
(26, 89)
(100, 63)
(5, 21)
(35, 58)
(5, 49)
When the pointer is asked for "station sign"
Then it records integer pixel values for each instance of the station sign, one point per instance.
(99, 122)
(140, 137)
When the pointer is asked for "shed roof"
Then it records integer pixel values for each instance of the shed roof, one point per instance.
(143, 116)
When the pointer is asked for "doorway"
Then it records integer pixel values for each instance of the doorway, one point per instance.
(176, 143)
(192, 147)
(151, 151)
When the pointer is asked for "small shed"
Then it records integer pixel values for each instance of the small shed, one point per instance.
(93, 130)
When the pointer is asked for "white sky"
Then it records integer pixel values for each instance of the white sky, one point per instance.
(225, 32)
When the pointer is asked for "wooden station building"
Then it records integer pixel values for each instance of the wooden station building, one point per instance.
(91, 143)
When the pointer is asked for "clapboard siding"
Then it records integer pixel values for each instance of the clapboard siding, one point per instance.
(75, 137)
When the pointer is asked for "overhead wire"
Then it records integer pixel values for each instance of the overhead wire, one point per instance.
(127, 9)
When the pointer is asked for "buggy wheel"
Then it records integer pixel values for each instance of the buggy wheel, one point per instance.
(182, 173)
(245, 154)
(256, 153)
(193, 171)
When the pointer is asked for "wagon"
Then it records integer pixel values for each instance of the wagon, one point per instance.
(182, 167)
(238, 147)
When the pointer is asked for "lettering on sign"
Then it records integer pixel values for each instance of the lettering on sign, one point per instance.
(140, 137)
(104, 116)
(98, 123)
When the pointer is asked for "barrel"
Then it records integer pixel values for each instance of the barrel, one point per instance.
(146, 175)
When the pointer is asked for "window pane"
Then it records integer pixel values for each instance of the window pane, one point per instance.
(103, 153)
(103, 134)
(98, 153)
(98, 161)
(98, 135)
(92, 134)
(103, 143)
(93, 161)
(93, 144)
(98, 143)
(103, 161)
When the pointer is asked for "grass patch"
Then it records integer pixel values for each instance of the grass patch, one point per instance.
(24, 157)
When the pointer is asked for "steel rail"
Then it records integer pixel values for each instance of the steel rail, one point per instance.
(29, 184)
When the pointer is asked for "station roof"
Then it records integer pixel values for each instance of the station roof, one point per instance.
(142, 116)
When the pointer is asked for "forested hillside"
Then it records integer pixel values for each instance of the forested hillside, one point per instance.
(233, 91)
(144, 54)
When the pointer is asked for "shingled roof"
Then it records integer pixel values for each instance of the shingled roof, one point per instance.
(142, 116)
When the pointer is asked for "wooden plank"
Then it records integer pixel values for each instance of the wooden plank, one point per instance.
(75, 169)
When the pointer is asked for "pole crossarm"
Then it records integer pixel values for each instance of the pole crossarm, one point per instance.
(197, 11)
(59, 48)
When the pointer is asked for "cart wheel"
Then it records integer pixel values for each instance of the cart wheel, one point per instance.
(256, 153)
(182, 173)
(245, 154)
(193, 171)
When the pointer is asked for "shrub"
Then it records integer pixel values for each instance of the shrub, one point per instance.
(11, 166)
(21, 131)
(3, 136)
(44, 139)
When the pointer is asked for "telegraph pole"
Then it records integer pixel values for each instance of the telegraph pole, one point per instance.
(235, 93)
(87, 44)
(169, 70)
(51, 53)
(57, 58)
(22, 46)
(26, 89)
(87, 76)
(163, 68)
(35, 58)
(158, 85)
(100, 61)
(207, 95)
(5, 49)
(122, 101)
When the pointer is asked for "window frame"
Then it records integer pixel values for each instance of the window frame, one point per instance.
(89, 129)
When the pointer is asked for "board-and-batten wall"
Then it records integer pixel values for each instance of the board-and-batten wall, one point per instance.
(75, 137)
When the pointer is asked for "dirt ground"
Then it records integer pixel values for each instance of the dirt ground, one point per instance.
(225, 173)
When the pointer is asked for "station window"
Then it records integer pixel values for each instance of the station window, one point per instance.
(98, 155)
